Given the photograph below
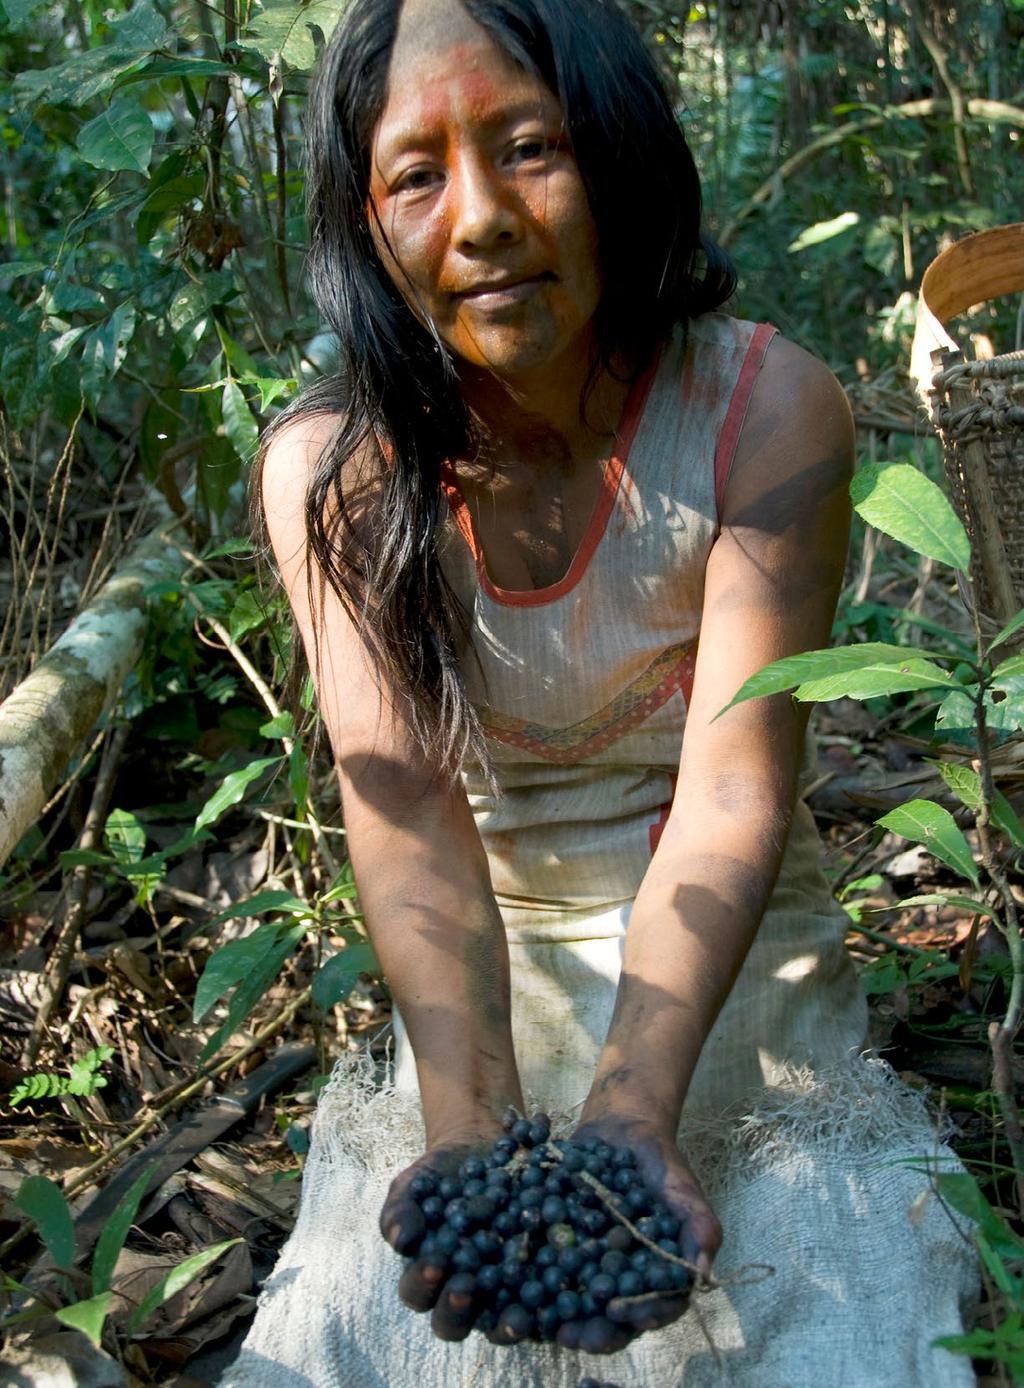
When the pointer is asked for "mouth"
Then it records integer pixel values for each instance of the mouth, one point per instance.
(508, 288)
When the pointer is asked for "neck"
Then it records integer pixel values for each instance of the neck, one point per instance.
(514, 414)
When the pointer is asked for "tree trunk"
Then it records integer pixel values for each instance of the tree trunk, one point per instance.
(48, 716)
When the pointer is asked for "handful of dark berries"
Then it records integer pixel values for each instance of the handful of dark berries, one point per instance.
(546, 1240)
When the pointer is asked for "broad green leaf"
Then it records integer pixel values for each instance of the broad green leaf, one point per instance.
(287, 31)
(874, 680)
(924, 822)
(900, 501)
(1005, 817)
(16, 269)
(1007, 631)
(262, 901)
(794, 670)
(271, 387)
(1004, 713)
(125, 837)
(235, 547)
(177, 1280)
(823, 231)
(964, 903)
(43, 1201)
(115, 1231)
(199, 68)
(234, 961)
(1010, 669)
(231, 790)
(168, 198)
(239, 360)
(121, 137)
(87, 1316)
(239, 424)
(247, 614)
(281, 726)
(335, 980)
(965, 1195)
(252, 988)
(963, 781)
(82, 857)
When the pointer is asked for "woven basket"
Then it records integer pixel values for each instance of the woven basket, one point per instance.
(977, 408)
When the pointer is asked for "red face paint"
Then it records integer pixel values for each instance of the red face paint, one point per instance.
(487, 231)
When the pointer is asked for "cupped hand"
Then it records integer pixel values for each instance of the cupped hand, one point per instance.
(427, 1283)
(672, 1183)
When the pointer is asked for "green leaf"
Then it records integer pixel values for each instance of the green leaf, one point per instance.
(231, 790)
(16, 269)
(115, 1231)
(270, 388)
(177, 1280)
(262, 901)
(900, 501)
(199, 68)
(84, 1077)
(1005, 817)
(924, 822)
(239, 360)
(252, 988)
(83, 857)
(965, 1195)
(965, 903)
(169, 197)
(794, 670)
(228, 965)
(875, 680)
(125, 837)
(335, 979)
(247, 614)
(87, 1316)
(963, 781)
(281, 726)
(1007, 631)
(43, 1201)
(288, 31)
(823, 231)
(121, 137)
(1010, 669)
(239, 424)
(1004, 713)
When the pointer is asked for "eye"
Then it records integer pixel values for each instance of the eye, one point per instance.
(416, 180)
(533, 148)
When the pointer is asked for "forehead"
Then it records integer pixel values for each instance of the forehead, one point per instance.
(445, 66)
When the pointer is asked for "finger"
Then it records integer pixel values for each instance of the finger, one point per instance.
(420, 1283)
(402, 1224)
(655, 1314)
(456, 1308)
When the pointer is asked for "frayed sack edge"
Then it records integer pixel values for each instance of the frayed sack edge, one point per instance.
(855, 1110)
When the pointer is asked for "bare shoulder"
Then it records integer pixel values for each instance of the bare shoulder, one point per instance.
(291, 460)
(797, 442)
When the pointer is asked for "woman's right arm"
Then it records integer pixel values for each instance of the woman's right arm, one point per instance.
(423, 879)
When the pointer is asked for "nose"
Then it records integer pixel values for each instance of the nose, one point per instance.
(484, 207)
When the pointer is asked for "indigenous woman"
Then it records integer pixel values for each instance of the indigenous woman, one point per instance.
(553, 510)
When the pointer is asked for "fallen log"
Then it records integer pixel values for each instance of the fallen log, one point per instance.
(45, 720)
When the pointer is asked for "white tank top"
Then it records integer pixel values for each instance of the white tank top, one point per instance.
(582, 687)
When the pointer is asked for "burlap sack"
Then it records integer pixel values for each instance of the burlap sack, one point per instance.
(813, 1158)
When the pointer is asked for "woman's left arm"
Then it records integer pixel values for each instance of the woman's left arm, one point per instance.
(773, 578)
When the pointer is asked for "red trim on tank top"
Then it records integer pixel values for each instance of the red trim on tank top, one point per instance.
(611, 480)
(737, 412)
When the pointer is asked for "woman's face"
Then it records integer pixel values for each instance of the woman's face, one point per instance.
(484, 224)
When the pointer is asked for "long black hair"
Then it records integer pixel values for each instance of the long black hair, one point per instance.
(395, 396)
